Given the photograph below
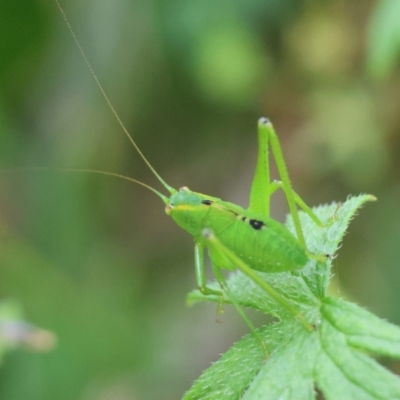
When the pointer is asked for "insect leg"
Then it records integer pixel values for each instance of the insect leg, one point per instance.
(222, 282)
(260, 189)
(286, 185)
(201, 277)
(216, 245)
(201, 283)
(275, 185)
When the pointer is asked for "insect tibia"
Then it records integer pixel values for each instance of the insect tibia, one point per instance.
(222, 282)
(275, 185)
(220, 309)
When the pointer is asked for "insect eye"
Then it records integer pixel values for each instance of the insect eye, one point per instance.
(169, 208)
(184, 189)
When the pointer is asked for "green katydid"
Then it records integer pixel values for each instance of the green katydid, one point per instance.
(236, 238)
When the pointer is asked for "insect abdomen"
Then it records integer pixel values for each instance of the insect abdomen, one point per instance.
(264, 244)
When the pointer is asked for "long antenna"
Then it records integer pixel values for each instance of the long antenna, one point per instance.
(127, 178)
(96, 79)
(91, 171)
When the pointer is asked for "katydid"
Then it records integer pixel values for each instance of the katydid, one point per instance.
(236, 238)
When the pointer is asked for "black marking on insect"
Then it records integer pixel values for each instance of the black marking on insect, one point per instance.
(244, 219)
(207, 202)
(256, 224)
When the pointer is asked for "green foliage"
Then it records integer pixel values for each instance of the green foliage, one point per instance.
(384, 39)
(335, 357)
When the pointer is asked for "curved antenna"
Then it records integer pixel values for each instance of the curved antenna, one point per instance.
(96, 79)
(91, 171)
(127, 178)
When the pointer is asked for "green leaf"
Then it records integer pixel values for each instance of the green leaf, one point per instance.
(301, 361)
(368, 377)
(362, 329)
(227, 378)
(288, 374)
(332, 358)
(326, 240)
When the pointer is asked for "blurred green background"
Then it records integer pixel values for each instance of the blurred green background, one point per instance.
(95, 259)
